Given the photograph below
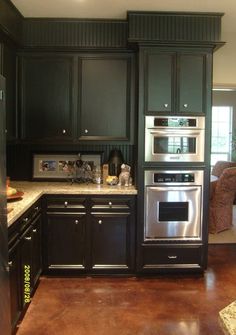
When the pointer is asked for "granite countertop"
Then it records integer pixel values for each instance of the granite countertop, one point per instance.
(34, 190)
(228, 319)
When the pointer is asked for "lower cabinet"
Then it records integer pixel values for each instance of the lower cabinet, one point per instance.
(111, 242)
(15, 283)
(25, 263)
(157, 258)
(89, 235)
(66, 241)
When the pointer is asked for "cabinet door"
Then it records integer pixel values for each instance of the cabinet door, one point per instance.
(15, 284)
(111, 241)
(36, 251)
(66, 241)
(105, 97)
(26, 267)
(46, 98)
(159, 81)
(191, 83)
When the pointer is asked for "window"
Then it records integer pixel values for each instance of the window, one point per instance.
(221, 135)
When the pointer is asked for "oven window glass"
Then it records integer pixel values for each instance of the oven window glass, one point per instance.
(173, 211)
(174, 145)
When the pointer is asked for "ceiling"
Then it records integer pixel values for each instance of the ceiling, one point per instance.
(116, 9)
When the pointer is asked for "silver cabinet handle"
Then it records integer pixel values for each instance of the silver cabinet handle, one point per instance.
(185, 105)
(10, 263)
(5, 131)
(110, 203)
(36, 209)
(165, 105)
(99, 221)
(26, 220)
(34, 230)
(65, 203)
(63, 131)
(172, 257)
(28, 238)
(86, 131)
(76, 221)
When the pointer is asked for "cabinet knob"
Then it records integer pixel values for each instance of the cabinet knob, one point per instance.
(36, 209)
(86, 131)
(99, 221)
(165, 105)
(76, 221)
(26, 220)
(5, 131)
(110, 204)
(63, 131)
(172, 257)
(65, 203)
(10, 263)
(185, 105)
(34, 230)
(28, 238)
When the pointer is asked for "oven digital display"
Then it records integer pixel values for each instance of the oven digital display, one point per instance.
(173, 177)
(174, 122)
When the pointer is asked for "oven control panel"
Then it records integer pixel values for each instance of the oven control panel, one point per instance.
(173, 177)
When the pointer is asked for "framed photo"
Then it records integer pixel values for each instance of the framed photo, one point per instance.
(65, 166)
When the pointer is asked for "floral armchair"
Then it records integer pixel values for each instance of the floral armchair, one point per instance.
(222, 197)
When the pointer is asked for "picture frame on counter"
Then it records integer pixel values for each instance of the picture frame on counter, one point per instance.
(51, 166)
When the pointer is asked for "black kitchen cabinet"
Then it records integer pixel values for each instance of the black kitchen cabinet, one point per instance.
(106, 92)
(24, 260)
(15, 283)
(36, 252)
(111, 242)
(9, 64)
(172, 258)
(175, 81)
(76, 97)
(92, 234)
(46, 97)
(66, 241)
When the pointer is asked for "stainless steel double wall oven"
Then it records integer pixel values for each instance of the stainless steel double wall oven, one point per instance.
(173, 193)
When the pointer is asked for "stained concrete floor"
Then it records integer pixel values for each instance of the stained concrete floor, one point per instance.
(167, 305)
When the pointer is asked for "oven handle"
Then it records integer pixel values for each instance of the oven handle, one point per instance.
(177, 132)
(174, 188)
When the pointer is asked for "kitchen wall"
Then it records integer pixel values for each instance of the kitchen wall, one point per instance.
(224, 62)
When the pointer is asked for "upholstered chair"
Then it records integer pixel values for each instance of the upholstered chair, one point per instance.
(222, 196)
(219, 167)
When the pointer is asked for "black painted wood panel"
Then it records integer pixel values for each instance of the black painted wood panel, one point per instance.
(23, 153)
(11, 21)
(75, 33)
(173, 26)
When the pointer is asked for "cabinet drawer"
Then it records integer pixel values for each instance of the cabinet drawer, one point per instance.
(29, 215)
(111, 203)
(66, 203)
(171, 256)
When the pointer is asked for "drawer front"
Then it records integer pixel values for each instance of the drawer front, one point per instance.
(111, 203)
(29, 216)
(171, 256)
(68, 203)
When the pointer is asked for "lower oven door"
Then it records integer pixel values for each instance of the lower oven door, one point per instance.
(173, 212)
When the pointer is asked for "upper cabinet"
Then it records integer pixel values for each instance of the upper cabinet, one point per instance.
(175, 82)
(77, 97)
(46, 97)
(105, 96)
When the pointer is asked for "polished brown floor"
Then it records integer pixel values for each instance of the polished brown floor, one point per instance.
(182, 305)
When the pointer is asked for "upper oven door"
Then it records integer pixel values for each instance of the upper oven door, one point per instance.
(174, 145)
